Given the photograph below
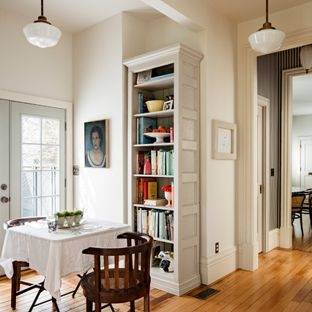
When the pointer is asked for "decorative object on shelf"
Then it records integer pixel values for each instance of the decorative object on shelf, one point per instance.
(306, 57)
(167, 261)
(267, 39)
(41, 33)
(159, 136)
(145, 124)
(223, 140)
(155, 105)
(96, 143)
(169, 104)
(168, 193)
(144, 76)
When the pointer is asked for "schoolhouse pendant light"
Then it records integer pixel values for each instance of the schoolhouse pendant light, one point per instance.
(267, 39)
(41, 33)
(306, 57)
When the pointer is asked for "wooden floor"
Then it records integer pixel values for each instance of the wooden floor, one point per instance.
(282, 283)
(302, 242)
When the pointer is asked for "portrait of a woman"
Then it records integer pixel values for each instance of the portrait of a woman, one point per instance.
(96, 144)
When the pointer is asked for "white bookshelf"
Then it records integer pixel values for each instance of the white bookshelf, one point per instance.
(184, 84)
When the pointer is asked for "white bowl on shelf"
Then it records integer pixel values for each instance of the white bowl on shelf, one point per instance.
(159, 136)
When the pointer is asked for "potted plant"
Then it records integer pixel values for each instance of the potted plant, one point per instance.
(168, 193)
(78, 214)
(60, 219)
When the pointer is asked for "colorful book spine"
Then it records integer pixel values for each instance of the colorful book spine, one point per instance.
(151, 190)
(154, 161)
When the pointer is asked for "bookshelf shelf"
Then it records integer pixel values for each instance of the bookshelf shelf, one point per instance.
(173, 160)
(153, 176)
(163, 113)
(163, 240)
(154, 145)
(157, 84)
(165, 208)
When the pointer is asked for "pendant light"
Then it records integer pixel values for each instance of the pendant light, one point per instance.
(41, 33)
(306, 57)
(267, 39)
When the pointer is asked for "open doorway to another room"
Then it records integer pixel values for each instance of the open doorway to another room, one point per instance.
(301, 164)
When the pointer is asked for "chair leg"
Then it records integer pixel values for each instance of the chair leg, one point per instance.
(98, 306)
(14, 286)
(310, 213)
(301, 223)
(132, 306)
(89, 305)
(18, 277)
(147, 303)
(111, 307)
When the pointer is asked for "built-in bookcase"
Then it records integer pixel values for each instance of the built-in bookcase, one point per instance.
(182, 217)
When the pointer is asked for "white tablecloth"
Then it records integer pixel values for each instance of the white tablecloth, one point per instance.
(57, 254)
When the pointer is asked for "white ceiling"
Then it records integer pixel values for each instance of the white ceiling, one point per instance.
(73, 15)
(302, 95)
(243, 10)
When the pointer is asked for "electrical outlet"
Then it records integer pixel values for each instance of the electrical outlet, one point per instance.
(217, 247)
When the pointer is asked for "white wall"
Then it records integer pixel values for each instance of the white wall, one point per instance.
(31, 70)
(98, 94)
(302, 127)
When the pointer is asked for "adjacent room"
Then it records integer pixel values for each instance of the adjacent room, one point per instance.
(156, 155)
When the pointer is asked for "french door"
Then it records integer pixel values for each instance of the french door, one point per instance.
(32, 160)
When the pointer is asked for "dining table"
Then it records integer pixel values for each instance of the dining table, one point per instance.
(56, 254)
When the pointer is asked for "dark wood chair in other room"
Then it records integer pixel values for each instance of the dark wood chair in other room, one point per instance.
(125, 276)
(16, 281)
(297, 208)
(307, 204)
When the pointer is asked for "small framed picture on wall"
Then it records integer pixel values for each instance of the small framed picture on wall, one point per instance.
(96, 143)
(223, 140)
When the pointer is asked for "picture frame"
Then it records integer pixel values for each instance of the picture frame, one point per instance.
(96, 144)
(144, 76)
(224, 135)
(168, 105)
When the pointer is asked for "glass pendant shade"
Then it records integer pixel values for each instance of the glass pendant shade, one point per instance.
(42, 34)
(266, 40)
(306, 57)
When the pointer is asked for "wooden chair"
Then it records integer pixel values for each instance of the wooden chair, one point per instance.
(117, 283)
(296, 208)
(16, 281)
(307, 204)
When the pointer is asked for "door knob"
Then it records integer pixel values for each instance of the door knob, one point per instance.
(3, 187)
(4, 199)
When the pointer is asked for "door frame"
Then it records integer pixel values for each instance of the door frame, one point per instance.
(286, 170)
(246, 174)
(68, 107)
(265, 104)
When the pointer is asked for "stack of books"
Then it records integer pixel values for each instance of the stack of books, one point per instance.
(146, 189)
(155, 162)
(159, 224)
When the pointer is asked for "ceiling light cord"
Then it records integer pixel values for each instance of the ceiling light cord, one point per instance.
(266, 11)
(42, 8)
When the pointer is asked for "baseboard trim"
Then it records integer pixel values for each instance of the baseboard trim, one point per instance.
(175, 288)
(274, 239)
(248, 256)
(217, 266)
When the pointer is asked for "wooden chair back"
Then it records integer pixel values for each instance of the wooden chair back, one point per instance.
(136, 269)
(297, 200)
(22, 221)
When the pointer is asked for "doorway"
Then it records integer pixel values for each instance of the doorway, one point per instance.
(32, 161)
(263, 182)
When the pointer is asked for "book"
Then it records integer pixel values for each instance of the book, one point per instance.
(140, 162)
(142, 105)
(151, 190)
(155, 202)
(146, 125)
(154, 162)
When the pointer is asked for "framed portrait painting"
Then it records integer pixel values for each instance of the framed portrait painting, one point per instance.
(96, 143)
